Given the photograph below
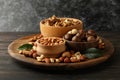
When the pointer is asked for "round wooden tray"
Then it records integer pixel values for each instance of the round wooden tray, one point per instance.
(13, 51)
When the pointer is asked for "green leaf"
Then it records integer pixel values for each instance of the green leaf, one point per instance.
(93, 50)
(93, 55)
(25, 47)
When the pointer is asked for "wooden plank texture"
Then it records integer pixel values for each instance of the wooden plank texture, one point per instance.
(11, 70)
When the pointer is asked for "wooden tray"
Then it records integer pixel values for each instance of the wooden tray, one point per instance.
(13, 52)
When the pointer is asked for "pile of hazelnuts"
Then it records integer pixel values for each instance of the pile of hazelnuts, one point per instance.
(81, 35)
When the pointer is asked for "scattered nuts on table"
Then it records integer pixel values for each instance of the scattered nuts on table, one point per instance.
(67, 60)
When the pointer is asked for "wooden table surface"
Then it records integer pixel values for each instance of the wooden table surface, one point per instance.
(12, 70)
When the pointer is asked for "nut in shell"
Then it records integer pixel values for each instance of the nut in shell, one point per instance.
(66, 54)
(47, 60)
(73, 59)
(67, 60)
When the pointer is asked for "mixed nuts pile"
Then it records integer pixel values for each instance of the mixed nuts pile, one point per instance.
(61, 22)
(68, 56)
(81, 35)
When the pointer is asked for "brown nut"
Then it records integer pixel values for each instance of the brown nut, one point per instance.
(100, 46)
(76, 39)
(67, 60)
(91, 39)
(82, 58)
(61, 59)
(66, 54)
(47, 60)
(34, 55)
(26, 53)
(73, 59)
(91, 32)
(31, 54)
(68, 36)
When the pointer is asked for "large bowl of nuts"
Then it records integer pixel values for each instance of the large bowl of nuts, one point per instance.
(58, 27)
(80, 40)
(50, 46)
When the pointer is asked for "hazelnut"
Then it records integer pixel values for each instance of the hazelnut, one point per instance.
(61, 59)
(73, 59)
(34, 55)
(82, 58)
(47, 60)
(26, 53)
(66, 54)
(91, 39)
(31, 54)
(66, 60)
(76, 39)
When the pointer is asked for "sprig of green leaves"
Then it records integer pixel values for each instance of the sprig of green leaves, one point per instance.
(92, 53)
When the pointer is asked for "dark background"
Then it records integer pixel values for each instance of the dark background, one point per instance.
(25, 15)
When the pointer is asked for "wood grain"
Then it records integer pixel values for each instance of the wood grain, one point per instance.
(11, 70)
